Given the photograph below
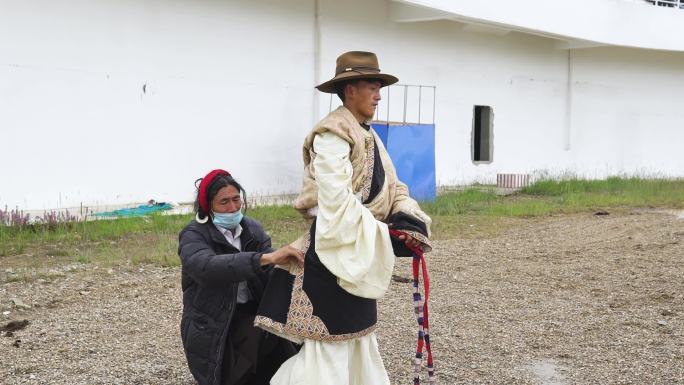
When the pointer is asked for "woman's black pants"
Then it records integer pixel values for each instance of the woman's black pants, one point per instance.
(252, 355)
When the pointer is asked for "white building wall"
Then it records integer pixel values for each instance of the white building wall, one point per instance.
(237, 77)
(514, 74)
(628, 114)
(227, 84)
(628, 23)
(623, 101)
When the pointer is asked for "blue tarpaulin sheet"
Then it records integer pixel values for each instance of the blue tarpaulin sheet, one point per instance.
(382, 131)
(412, 149)
(139, 211)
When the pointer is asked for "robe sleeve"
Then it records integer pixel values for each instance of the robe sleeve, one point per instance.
(403, 202)
(349, 241)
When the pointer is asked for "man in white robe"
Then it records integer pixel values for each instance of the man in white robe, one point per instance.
(350, 191)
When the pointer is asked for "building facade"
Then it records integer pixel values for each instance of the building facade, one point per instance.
(105, 102)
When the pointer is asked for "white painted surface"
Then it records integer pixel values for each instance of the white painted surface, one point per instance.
(633, 23)
(229, 84)
(625, 114)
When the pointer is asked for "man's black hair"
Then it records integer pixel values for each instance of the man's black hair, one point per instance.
(339, 88)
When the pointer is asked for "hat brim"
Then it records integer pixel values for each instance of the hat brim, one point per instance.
(329, 86)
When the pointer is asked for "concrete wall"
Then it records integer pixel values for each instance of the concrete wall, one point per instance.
(229, 84)
(522, 77)
(592, 112)
(628, 112)
(629, 23)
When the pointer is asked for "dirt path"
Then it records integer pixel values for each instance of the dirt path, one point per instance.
(564, 300)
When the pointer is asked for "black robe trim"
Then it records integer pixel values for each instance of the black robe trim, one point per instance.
(342, 313)
(378, 175)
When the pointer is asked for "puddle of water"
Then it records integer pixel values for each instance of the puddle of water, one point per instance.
(547, 371)
(678, 213)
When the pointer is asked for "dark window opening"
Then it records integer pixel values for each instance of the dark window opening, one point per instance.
(483, 117)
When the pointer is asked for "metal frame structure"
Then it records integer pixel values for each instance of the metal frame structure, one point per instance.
(406, 88)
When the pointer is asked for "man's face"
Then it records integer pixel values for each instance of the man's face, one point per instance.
(363, 97)
(227, 200)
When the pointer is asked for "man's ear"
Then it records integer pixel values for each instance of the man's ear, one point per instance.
(349, 90)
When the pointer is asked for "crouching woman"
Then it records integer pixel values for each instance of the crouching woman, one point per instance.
(226, 259)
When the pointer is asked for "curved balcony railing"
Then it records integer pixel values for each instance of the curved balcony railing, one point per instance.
(624, 23)
(667, 3)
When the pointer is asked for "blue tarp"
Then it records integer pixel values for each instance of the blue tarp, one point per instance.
(382, 130)
(139, 211)
(412, 149)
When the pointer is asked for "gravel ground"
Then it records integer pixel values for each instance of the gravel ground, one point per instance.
(563, 300)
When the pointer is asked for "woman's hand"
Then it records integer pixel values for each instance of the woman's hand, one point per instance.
(282, 256)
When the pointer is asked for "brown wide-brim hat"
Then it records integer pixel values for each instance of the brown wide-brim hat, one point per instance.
(356, 65)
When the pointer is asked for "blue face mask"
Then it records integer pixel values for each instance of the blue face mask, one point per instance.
(228, 221)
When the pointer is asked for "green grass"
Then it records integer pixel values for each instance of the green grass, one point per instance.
(283, 223)
(124, 240)
(469, 213)
(550, 197)
(611, 192)
(459, 212)
(129, 241)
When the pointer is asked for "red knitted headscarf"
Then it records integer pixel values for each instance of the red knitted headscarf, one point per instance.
(204, 186)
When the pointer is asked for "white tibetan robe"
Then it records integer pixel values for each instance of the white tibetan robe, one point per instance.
(357, 249)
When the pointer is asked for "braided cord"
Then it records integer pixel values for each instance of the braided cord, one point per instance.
(420, 307)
